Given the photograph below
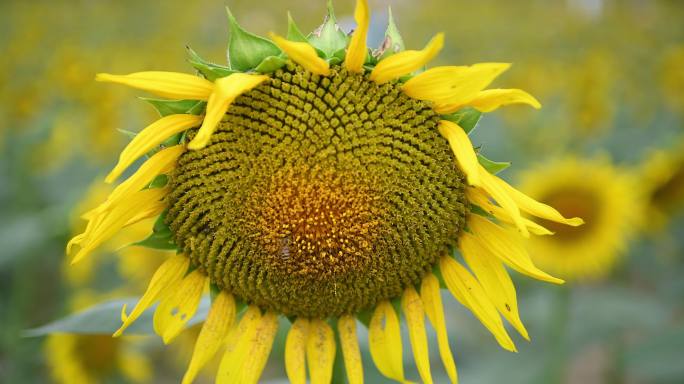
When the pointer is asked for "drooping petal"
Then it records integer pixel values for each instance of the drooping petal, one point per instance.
(303, 54)
(171, 85)
(346, 327)
(452, 85)
(413, 310)
(535, 208)
(237, 347)
(498, 193)
(259, 348)
(103, 226)
(432, 302)
(151, 137)
(357, 50)
(463, 150)
(468, 292)
(167, 275)
(385, 341)
(226, 89)
(295, 351)
(213, 334)
(405, 62)
(478, 196)
(179, 306)
(494, 279)
(507, 247)
(320, 351)
(160, 163)
(491, 99)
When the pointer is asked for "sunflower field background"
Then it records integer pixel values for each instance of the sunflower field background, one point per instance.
(608, 145)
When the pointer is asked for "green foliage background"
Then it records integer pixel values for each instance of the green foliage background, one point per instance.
(610, 75)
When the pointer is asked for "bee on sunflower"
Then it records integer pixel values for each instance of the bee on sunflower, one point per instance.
(316, 179)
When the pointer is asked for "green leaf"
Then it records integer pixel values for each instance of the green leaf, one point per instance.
(293, 31)
(492, 167)
(210, 71)
(172, 107)
(161, 237)
(467, 118)
(270, 64)
(393, 42)
(247, 50)
(105, 318)
(329, 37)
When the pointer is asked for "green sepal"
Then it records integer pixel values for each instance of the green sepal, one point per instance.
(173, 107)
(209, 70)
(365, 317)
(161, 237)
(393, 42)
(438, 275)
(466, 117)
(492, 167)
(130, 134)
(246, 50)
(329, 37)
(293, 31)
(339, 374)
(270, 64)
(159, 181)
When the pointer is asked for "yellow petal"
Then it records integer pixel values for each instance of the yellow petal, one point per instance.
(295, 351)
(468, 292)
(413, 310)
(357, 50)
(346, 327)
(213, 334)
(103, 226)
(161, 162)
(491, 185)
(179, 306)
(491, 99)
(167, 275)
(405, 62)
(320, 351)
(432, 302)
(237, 347)
(226, 90)
(303, 54)
(463, 150)
(535, 208)
(478, 197)
(135, 366)
(494, 279)
(507, 247)
(385, 341)
(151, 137)
(452, 85)
(171, 85)
(259, 348)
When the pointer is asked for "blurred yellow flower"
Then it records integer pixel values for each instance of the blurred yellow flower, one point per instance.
(609, 200)
(87, 359)
(663, 177)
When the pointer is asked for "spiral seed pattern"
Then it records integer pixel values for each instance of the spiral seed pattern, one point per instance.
(319, 196)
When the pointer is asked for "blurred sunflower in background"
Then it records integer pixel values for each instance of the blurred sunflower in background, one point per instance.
(663, 176)
(607, 197)
(319, 180)
(87, 358)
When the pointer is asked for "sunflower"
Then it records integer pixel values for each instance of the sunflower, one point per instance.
(606, 197)
(86, 358)
(316, 179)
(663, 176)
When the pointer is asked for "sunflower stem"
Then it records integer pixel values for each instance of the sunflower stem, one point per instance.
(555, 372)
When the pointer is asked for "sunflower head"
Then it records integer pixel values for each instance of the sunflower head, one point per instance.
(663, 176)
(318, 179)
(606, 196)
